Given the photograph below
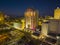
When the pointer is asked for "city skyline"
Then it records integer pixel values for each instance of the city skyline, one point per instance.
(18, 7)
(29, 22)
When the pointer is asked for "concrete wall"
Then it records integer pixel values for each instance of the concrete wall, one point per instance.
(54, 26)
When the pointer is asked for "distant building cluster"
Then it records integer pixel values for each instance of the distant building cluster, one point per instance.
(52, 25)
(31, 20)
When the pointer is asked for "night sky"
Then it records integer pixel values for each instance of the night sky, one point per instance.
(17, 7)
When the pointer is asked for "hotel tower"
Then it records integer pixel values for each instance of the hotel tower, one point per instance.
(31, 18)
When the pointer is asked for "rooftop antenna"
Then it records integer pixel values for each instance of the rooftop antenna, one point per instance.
(57, 4)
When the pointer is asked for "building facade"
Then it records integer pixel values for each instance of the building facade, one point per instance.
(51, 26)
(31, 18)
(44, 28)
(54, 26)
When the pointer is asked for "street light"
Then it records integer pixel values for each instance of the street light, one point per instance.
(58, 38)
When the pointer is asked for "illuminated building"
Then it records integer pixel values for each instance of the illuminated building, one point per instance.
(16, 25)
(31, 18)
(1, 17)
(23, 23)
(19, 24)
(57, 13)
(49, 17)
(39, 23)
(44, 28)
(51, 26)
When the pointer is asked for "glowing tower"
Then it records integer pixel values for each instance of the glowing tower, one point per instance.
(57, 13)
(2, 17)
(31, 18)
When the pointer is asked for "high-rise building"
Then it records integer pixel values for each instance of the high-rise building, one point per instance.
(57, 13)
(31, 18)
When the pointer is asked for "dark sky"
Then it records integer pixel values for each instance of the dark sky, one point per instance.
(17, 7)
